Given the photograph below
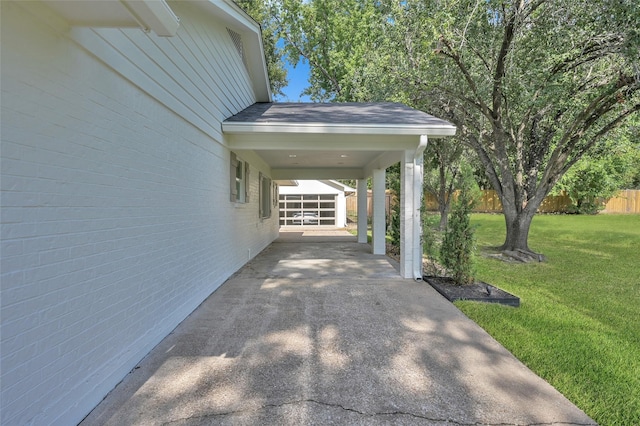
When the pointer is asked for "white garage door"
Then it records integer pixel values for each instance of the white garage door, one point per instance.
(308, 210)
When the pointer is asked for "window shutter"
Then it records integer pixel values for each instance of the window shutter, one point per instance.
(267, 197)
(274, 195)
(247, 186)
(232, 177)
(260, 196)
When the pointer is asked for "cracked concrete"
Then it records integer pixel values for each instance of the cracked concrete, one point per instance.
(317, 331)
(367, 418)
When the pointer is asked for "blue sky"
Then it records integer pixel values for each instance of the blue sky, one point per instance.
(298, 81)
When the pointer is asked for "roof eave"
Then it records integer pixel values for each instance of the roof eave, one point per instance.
(439, 130)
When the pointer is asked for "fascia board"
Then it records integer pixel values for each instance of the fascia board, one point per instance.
(229, 12)
(315, 141)
(338, 128)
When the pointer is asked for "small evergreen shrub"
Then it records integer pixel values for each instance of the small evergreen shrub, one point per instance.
(458, 244)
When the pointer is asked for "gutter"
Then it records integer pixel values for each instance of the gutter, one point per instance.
(435, 130)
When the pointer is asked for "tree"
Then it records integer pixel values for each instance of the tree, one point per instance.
(532, 86)
(603, 172)
(334, 37)
(588, 184)
(550, 80)
(442, 167)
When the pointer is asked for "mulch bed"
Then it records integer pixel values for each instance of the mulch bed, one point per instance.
(478, 291)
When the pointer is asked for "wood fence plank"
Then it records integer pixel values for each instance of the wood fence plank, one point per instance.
(627, 201)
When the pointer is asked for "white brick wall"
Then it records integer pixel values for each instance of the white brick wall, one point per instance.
(116, 224)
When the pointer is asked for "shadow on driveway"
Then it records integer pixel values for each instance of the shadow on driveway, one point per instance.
(321, 333)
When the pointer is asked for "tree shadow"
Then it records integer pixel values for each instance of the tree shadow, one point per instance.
(329, 334)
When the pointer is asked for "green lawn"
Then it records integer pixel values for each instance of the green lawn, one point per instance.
(354, 231)
(578, 326)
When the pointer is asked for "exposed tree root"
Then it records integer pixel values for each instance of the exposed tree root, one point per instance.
(518, 255)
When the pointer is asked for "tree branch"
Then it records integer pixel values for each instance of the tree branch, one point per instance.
(450, 53)
(307, 56)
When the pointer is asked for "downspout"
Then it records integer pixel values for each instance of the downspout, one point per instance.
(418, 172)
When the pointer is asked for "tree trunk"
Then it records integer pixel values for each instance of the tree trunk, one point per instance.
(516, 247)
(517, 226)
(444, 215)
(444, 199)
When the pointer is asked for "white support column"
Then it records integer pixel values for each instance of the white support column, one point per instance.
(362, 210)
(406, 215)
(410, 204)
(378, 216)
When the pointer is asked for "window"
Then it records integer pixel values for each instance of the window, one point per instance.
(239, 178)
(265, 197)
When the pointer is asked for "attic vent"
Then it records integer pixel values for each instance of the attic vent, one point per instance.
(237, 41)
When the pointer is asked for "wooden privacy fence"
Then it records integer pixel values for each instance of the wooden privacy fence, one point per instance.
(352, 204)
(627, 201)
(490, 203)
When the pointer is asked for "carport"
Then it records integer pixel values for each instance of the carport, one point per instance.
(347, 141)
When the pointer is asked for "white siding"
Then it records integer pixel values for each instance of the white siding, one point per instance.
(116, 220)
(198, 73)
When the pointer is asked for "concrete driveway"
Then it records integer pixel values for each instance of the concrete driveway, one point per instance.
(317, 331)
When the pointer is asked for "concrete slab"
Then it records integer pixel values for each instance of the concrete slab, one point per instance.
(312, 234)
(324, 333)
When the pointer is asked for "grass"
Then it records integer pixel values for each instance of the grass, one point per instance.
(578, 326)
(354, 231)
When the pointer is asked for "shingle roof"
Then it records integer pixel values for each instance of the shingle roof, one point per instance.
(378, 113)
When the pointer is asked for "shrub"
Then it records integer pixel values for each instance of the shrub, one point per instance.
(458, 244)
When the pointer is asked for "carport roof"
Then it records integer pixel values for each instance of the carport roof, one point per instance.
(347, 118)
(330, 140)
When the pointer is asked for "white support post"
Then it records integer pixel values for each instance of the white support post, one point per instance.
(418, 200)
(362, 210)
(411, 176)
(406, 213)
(378, 218)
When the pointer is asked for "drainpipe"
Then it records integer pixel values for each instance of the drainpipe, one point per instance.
(418, 171)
